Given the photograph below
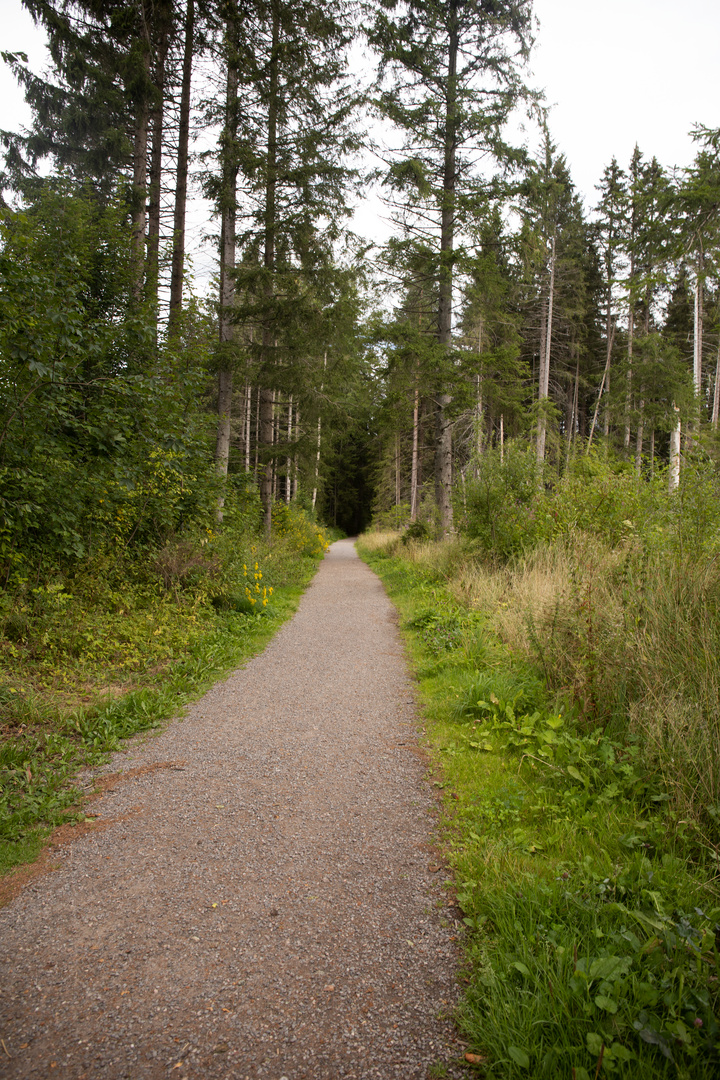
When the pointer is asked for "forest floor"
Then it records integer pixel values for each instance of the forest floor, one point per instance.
(259, 894)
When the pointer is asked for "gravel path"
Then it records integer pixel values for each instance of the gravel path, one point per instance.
(260, 896)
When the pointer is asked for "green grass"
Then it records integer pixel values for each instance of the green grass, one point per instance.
(45, 748)
(592, 912)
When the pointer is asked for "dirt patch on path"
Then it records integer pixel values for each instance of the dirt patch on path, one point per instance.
(271, 908)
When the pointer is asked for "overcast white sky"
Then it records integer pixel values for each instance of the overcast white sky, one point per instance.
(616, 72)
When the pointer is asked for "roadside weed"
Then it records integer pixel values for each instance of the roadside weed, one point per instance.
(591, 906)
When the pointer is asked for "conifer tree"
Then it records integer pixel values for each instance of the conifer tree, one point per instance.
(449, 76)
(294, 130)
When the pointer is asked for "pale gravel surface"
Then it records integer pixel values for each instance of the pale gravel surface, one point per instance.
(294, 798)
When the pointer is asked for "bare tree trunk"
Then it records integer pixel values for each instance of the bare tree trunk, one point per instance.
(288, 465)
(698, 329)
(674, 471)
(698, 341)
(443, 427)
(716, 395)
(639, 435)
(139, 214)
(502, 439)
(163, 17)
(275, 441)
(257, 436)
(227, 264)
(628, 392)
(295, 459)
(414, 464)
(248, 424)
(573, 410)
(544, 376)
(177, 272)
(269, 263)
(397, 469)
(319, 430)
(605, 383)
(652, 454)
(479, 404)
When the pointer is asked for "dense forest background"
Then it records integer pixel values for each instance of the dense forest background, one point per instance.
(500, 319)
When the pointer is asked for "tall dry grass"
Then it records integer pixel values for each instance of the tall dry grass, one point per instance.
(633, 639)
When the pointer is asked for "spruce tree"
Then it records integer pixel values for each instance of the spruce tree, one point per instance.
(449, 77)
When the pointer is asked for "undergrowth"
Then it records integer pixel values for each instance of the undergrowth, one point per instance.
(96, 653)
(590, 895)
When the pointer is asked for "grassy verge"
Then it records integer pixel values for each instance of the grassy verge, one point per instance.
(58, 714)
(592, 913)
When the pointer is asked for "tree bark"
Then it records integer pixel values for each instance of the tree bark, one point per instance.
(266, 409)
(177, 272)
(443, 427)
(319, 435)
(139, 194)
(639, 435)
(414, 463)
(604, 385)
(674, 471)
(156, 119)
(544, 374)
(716, 395)
(227, 261)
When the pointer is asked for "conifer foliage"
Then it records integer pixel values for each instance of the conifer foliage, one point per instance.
(512, 316)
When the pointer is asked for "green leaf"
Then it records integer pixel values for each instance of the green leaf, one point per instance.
(519, 1057)
(594, 1042)
(609, 967)
(621, 1053)
(572, 771)
(521, 968)
(607, 1003)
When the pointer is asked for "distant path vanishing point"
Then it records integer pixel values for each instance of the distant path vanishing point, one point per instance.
(258, 898)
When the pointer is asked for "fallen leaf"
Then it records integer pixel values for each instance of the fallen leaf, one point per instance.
(475, 1059)
(214, 905)
(330, 987)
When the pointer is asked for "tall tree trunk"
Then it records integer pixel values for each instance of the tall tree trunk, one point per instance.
(139, 194)
(479, 404)
(544, 374)
(674, 470)
(288, 463)
(573, 409)
(604, 385)
(414, 463)
(397, 469)
(157, 109)
(639, 434)
(266, 409)
(698, 339)
(628, 390)
(319, 436)
(443, 426)
(610, 338)
(177, 272)
(228, 199)
(716, 395)
(248, 425)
